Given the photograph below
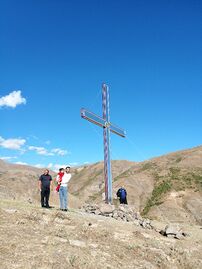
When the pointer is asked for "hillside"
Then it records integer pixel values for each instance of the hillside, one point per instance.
(164, 188)
(20, 183)
(32, 237)
(167, 189)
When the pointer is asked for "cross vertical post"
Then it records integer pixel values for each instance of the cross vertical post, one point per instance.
(106, 133)
(108, 127)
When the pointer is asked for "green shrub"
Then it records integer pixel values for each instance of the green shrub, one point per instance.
(157, 194)
(147, 166)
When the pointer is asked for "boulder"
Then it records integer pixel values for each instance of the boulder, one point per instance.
(173, 231)
(107, 209)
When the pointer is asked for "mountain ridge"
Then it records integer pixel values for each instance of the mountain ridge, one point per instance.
(167, 186)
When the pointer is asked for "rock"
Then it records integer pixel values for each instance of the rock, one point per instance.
(123, 212)
(107, 209)
(10, 211)
(162, 232)
(136, 222)
(94, 245)
(62, 240)
(157, 226)
(122, 208)
(171, 229)
(77, 243)
(170, 235)
(115, 214)
(129, 218)
(145, 224)
(137, 215)
(179, 236)
(29, 201)
(97, 212)
(120, 214)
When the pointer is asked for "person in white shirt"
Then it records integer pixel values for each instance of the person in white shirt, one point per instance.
(63, 189)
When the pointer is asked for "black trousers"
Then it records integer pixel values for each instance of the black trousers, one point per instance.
(45, 193)
(123, 201)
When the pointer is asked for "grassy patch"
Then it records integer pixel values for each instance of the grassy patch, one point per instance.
(156, 176)
(89, 180)
(193, 180)
(179, 159)
(177, 180)
(157, 194)
(174, 172)
(198, 179)
(182, 180)
(122, 175)
(147, 166)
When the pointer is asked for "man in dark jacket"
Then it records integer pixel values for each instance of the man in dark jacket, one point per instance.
(122, 194)
(45, 182)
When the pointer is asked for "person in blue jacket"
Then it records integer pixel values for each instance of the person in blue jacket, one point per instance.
(122, 195)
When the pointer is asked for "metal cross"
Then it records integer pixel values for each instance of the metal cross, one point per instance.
(107, 127)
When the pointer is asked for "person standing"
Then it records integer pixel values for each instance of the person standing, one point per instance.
(44, 184)
(59, 178)
(122, 194)
(63, 192)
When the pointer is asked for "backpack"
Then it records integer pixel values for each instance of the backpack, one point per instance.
(122, 194)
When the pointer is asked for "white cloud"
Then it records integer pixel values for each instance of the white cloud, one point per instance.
(12, 143)
(50, 165)
(74, 164)
(39, 165)
(21, 163)
(44, 151)
(7, 158)
(59, 151)
(40, 150)
(12, 99)
(48, 142)
(56, 167)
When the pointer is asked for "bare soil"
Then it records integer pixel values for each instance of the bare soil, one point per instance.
(32, 237)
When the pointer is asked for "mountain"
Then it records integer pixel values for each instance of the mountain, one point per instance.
(168, 187)
(20, 183)
(164, 188)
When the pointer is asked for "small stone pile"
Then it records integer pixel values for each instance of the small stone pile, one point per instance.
(123, 212)
(173, 231)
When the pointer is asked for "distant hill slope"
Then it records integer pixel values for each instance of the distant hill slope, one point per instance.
(166, 188)
(20, 182)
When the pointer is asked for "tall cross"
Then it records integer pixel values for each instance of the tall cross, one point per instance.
(108, 127)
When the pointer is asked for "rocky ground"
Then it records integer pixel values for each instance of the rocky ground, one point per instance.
(167, 233)
(32, 237)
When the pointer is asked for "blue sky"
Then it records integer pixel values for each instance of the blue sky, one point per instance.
(57, 54)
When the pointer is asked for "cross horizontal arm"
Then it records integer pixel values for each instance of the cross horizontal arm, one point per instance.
(117, 130)
(85, 114)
